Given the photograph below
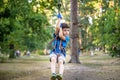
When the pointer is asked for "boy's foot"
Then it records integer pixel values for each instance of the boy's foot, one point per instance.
(59, 77)
(53, 77)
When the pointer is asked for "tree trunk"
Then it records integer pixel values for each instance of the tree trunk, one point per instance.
(74, 33)
(11, 51)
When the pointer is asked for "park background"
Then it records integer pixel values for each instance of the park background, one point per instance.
(28, 25)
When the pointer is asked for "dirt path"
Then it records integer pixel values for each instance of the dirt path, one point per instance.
(81, 72)
(92, 68)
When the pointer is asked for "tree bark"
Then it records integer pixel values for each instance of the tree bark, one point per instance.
(74, 33)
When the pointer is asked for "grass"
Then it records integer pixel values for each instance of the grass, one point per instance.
(21, 66)
(29, 66)
(98, 60)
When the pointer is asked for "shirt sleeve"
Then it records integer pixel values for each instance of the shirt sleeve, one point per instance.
(67, 39)
(64, 42)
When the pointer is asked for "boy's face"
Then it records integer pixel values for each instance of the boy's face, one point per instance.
(65, 31)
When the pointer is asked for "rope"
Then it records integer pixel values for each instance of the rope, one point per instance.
(59, 5)
(63, 7)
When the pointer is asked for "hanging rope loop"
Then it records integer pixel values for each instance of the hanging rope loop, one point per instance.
(59, 5)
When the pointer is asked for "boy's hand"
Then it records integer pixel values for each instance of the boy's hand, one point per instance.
(60, 25)
(59, 16)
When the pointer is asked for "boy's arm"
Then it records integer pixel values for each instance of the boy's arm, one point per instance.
(59, 16)
(61, 34)
(57, 26)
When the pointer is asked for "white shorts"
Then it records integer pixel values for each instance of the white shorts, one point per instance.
(61, 57)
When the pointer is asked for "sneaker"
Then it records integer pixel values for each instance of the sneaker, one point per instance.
(59, 77)
(53, 77)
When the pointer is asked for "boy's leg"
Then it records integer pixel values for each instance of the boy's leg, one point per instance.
(53, 64)
(61, 60)
(61, 66)
(53, 58)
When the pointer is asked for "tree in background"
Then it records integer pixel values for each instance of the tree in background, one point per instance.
(105, 30)
(74, 33)
(24, 24)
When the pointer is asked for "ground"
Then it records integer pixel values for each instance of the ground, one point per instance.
(98, 67)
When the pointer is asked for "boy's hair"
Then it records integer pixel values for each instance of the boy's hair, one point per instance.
(64, 25)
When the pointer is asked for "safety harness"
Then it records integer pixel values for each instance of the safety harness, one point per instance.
(61, 49)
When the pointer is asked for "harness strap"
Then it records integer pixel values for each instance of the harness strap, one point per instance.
(60, 47)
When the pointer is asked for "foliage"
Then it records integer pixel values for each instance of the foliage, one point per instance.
(26, 24)
(106, 31)
(22, 26)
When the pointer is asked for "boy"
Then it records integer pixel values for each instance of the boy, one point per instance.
(58, 54)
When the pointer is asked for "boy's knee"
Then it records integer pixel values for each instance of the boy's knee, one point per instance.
(53, 59)
(61, 61)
